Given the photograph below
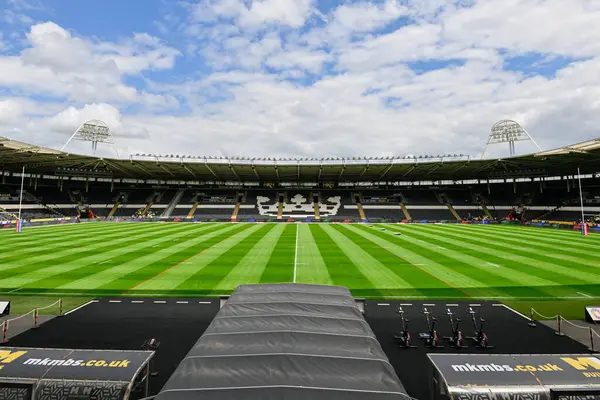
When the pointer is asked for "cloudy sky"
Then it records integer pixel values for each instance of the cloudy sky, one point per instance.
(300, 77)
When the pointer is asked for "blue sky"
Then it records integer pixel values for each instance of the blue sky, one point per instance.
(300, 77)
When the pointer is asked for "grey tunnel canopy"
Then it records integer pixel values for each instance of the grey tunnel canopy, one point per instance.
(287, 341)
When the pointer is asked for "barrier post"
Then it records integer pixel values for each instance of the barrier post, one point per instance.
(5, 329)
(558, 322)
(35, 318)
(531, 320)
(60, 308)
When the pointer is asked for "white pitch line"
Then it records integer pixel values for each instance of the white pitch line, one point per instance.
(81, 306)
(585, 295)
(182, 302)
(516, 312)
(104, 262)
(296, 254)
(114, 301)
(493, 265)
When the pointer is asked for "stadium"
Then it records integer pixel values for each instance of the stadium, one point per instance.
(306, 267)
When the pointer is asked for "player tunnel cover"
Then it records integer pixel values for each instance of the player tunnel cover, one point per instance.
(32, 373)
(286, 341)
(544, 376)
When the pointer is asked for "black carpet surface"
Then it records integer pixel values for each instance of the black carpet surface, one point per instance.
(178, 323)
(120, 324)
(508, 333)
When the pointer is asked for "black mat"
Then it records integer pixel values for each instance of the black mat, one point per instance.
(126, 325)
(508, 333)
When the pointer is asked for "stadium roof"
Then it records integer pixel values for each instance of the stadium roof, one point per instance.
(39, 160)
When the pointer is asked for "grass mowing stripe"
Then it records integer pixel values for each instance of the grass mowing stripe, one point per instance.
(512, 276)
(251, 267)
(59, 243)
(585, 272)
(79, 251)
(55, 274)
(87, 270)
(133, 273)
(341, 268)
(120, 268)
(427, 250)
(311, 267)
(62, 230)
(398, 274)
(449, 276)
(378, 273)
(171, 278)
(570, 276)
(100, 252)
(550, 236)
(566, 254)
(568, 235)
(280, 267)
(28, 241)
(206, 278)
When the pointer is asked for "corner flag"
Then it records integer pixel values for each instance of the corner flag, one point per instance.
(19, 226)
(584, 229)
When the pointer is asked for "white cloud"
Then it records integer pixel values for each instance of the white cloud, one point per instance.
(364, 17)
(547, 26)
(290, 13)
(58, 64)
(364, 98)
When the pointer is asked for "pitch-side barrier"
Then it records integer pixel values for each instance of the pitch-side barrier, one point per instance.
(35, 318)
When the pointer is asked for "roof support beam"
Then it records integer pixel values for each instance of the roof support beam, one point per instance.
(166, 169)
(342, 171)
(188, 169)
(115, 166)
(411, 169)
(388, 168)
(255, 171)
(364, 170)
(234, 173)
(432, 169)
(210, 169)
(140, 166)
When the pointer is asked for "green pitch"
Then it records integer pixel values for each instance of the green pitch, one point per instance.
(503, 263)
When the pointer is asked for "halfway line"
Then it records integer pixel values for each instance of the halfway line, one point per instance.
(296, 253)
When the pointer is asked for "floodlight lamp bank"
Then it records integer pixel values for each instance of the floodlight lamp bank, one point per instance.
(298, 159)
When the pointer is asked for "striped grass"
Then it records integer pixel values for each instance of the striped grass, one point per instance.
(504, 263)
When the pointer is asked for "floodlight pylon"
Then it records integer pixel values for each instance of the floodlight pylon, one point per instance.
(508, 131)
(93, 131)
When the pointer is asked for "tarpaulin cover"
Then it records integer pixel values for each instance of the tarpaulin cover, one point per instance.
(286, 341)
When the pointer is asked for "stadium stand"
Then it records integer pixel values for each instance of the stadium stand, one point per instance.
(538, 186)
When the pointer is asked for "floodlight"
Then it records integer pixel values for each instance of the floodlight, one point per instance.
(508, 131)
